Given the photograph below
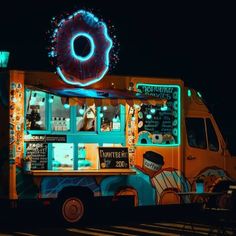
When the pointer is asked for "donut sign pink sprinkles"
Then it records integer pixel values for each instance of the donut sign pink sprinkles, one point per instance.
(92, 62)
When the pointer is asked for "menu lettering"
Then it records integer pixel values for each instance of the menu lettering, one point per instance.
(39, 154)
(113, 157)
(159, 119)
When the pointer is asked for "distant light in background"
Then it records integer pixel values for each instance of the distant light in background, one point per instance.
(4, 57)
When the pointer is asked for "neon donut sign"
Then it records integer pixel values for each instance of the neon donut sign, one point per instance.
(73, 68)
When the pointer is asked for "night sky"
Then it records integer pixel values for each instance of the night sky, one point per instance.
(191, 40)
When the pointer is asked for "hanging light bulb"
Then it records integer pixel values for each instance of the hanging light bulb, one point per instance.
(116, 118)
(50, 100)
(81, 110)
(67, 105)
(33, 99)
(104, 108)
(42, 102)
(149, 116)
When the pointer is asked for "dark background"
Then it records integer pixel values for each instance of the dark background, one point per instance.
(191, 40)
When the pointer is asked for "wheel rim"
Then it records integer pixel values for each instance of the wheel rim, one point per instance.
(73, 209)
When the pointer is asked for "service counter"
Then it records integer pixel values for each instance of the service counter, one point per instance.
(87, 172)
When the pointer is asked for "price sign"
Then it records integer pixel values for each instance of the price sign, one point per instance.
(113, 157)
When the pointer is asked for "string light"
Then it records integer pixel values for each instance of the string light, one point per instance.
(51, 99)
(101, 114)
(67, 105)
(41, 103)
(81, 110)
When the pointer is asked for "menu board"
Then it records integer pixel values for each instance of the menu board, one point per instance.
(39, 154)
(113, 157)
(159, 124)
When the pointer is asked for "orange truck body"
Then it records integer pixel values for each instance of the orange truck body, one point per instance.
(183, 163)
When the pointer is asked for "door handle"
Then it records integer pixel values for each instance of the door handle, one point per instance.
(191, 157)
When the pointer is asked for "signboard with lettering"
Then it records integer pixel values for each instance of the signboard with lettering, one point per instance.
(39, 154)
(113, 157)
(159, 124)
(48, 138)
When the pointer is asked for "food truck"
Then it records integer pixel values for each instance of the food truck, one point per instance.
(139, 140)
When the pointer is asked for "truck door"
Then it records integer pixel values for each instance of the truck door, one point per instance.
(203, 153)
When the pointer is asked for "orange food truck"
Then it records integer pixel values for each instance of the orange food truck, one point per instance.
(140, 140)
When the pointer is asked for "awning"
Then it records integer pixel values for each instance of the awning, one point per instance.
(112, 90)
(102, 97)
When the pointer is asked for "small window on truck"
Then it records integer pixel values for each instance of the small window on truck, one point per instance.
(159, 125)
(35, 110)
(196, 135)
(60, 115)
(212, 137)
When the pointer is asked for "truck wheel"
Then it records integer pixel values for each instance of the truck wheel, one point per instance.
(72, 209)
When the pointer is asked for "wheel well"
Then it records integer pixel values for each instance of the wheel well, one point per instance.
(78, 191)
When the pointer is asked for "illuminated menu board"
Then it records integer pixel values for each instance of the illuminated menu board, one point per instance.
(160, 124)
(39, 154)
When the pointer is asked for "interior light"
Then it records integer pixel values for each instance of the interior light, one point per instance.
(116, 118)
(67, 106)
(101, 114)
(33, 99)
(50, 100)
(41, 103)
(153, 110)
(104, 108)
(148, 116)
(81, 110)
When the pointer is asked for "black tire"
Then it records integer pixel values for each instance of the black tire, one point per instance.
(72, 208)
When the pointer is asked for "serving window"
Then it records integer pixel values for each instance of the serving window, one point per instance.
(110, 118)
(35, 110)
(58, 131)
(62, 155)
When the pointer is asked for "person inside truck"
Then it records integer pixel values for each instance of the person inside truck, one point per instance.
(87, 123)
